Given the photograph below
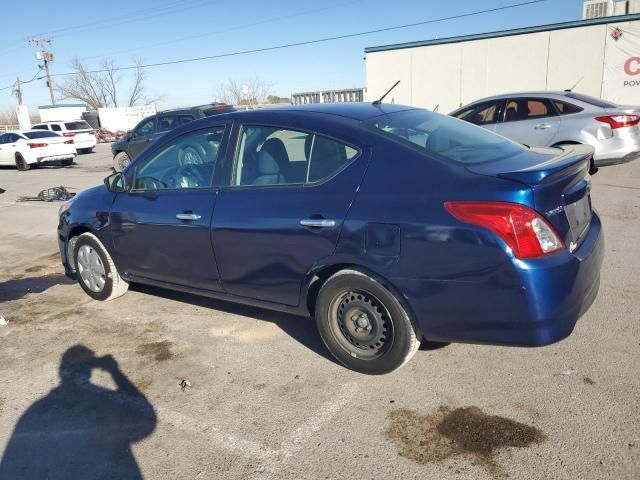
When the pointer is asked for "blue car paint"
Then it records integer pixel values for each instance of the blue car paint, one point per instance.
(460, 282)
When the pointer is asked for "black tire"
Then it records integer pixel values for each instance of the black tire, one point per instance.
(67, 162)
(21, 163)
(114, 286)
(120, 161)
(385, 341)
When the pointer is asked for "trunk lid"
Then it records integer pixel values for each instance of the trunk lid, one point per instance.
(560, 180)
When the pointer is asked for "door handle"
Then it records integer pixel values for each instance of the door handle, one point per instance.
(188, 216)
(542, 126)
(318, 222)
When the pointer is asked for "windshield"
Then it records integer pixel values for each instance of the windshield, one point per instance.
(590, 100)
(43, 134)
(79, 125)
(445, 137)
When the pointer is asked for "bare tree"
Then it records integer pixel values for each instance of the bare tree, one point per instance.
(103, 88)
(8, 116)
(234, 92)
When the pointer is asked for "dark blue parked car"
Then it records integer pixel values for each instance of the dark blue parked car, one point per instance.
(386, 223)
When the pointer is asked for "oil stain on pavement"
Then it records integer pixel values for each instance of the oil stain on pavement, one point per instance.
(461, 432)
(161, 351)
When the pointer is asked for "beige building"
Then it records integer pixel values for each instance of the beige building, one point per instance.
(329, 96)
(599, 57)
(608, 8)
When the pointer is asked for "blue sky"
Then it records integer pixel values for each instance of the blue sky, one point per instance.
(160, 30)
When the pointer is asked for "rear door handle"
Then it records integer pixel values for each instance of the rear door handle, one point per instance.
(318, 222)
(188, 216)
(542, 126)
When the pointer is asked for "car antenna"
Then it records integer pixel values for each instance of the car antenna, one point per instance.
(574, 85)
(379, 101)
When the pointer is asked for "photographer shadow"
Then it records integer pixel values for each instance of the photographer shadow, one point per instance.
(80, 430)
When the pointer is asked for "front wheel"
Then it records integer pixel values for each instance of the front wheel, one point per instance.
(364, 325)
(96, 272)
(120, 161)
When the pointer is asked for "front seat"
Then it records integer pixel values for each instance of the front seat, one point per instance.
(275, 147)
(511, 115)
(268, 170)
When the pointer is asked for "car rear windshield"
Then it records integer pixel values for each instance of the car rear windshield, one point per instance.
(43, 134)
(80, 125)
(590, 100)
(444, 137)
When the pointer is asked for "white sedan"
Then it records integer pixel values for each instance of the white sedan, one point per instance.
(35, 147)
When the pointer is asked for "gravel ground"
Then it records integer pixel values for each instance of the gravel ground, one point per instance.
(91, 390)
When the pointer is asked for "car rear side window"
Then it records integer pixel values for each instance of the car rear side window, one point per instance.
(590, 100)
(166, 123)
(45, 134)
(40, 127)
(528, 108)
(565, 108)
(185, 119)
(276, 156)
(55, 127)
(78, 125)
(444, 137)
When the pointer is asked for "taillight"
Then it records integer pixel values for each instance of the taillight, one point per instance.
(69, 134)
(619, 121)
(69, 142)
(521, 228)
(37, 145)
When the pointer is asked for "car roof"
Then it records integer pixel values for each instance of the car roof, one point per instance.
(352, 110)
(196, 107)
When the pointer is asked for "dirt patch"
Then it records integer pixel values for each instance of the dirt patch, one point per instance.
(161, 351)
(17, 288)
(588, 381)
(467, 432)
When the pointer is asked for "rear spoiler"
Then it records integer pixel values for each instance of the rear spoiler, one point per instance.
(572, 159)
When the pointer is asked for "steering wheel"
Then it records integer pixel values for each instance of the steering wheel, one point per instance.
(150, 183)
(189, 155)
(188, 176)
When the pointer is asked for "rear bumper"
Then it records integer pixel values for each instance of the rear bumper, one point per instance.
(53, 159)
(603, 161)
(537, 304)
(85, 143)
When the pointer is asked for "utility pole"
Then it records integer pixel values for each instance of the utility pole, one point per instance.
(17, 91)
(46, 56)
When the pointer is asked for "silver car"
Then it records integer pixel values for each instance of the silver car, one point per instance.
(545, 119)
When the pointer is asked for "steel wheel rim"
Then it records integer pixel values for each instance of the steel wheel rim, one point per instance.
(361, 324)
(91, 269)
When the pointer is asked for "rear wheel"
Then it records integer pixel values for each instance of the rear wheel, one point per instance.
(21, 163)
(120, 161)
(67, 161)
(96, 272)
(363, 324)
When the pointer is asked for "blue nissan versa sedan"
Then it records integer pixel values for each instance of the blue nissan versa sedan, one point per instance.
(388, 224)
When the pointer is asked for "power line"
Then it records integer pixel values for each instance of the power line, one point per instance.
(130, 17)
(228, 29)
(33, 79)
(308, 42)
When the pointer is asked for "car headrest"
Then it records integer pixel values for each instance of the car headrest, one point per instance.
(267, 165)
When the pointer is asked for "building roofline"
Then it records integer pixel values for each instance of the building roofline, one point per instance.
(62, 105)
(506, 33)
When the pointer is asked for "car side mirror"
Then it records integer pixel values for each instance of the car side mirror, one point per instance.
(116, 183)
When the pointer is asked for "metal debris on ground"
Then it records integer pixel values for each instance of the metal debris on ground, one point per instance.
(54, 194)
(184, 384)
(3, 321)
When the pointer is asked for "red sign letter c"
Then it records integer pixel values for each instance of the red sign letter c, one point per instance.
(630, 68)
